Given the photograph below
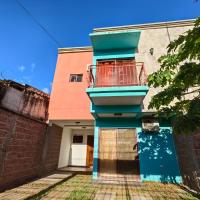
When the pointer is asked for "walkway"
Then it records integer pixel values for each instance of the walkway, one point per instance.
(28, 191)
(82, 187)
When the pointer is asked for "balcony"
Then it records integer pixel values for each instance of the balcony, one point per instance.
(111, 75)
(117, 83)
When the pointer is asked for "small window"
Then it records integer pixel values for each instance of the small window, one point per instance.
(75, 77)
(78, 139)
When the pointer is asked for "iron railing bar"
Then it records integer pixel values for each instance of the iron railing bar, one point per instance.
(118, 74)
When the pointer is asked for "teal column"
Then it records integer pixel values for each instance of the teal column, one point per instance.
(138, 131)
(95, 154)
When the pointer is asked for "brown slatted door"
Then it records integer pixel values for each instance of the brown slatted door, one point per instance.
(107, 152)
(127, 153)
(105, 73)
(127, 72)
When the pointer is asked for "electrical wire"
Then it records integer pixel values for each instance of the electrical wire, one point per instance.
(39, 24)
(168, 35)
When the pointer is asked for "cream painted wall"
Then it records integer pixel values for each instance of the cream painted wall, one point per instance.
(65, 148)
(158, 39)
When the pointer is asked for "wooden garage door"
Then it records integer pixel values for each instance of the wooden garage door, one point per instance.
(118, 152)
(107, 151)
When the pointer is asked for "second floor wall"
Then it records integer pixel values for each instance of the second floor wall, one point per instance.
(69, 100)
(156, 40)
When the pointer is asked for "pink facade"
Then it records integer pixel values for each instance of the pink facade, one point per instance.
(69, 100)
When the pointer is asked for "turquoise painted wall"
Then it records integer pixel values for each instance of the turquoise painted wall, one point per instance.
(115, 109)
(158, 159)
(157, 154)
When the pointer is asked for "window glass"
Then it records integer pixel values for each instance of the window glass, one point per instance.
(78, 139)
(75, 77)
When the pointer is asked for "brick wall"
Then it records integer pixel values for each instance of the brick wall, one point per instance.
(188, 150)
(27, 150)
(52, 148)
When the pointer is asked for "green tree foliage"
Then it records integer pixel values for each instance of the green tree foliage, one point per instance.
(179, 78)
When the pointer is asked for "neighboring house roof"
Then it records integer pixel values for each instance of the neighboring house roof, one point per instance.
(21, 87)
(24, 99)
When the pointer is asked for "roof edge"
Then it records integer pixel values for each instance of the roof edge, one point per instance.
(22, 87)
(156, 25)
(74, 49)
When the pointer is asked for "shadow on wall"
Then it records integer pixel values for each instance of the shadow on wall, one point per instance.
(158, 160)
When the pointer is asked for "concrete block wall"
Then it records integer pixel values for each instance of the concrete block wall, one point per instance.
(51, 148)
(188, 151)
(27, 149)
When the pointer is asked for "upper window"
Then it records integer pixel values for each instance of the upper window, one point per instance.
(75, 77)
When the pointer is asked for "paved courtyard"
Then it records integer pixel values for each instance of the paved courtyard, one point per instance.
(81, 187)
(27, 191)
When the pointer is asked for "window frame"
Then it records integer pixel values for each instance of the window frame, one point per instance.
(77, 78)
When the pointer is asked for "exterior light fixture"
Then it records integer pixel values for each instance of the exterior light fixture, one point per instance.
(151, 51)
(118, 114)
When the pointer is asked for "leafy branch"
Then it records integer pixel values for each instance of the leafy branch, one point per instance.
(179, 78)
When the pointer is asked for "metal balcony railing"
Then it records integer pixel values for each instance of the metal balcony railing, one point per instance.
(117, 75)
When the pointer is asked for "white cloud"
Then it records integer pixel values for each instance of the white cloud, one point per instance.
(21, 68)
(46, 90)
(32, 67)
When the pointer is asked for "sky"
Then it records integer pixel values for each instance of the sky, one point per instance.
(28, 54)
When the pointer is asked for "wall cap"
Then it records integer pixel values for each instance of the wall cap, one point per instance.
(75, 49)
(156, 25)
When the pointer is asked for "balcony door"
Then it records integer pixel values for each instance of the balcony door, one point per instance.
(119, 72)
(118, 153)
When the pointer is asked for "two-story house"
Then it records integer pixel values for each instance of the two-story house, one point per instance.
(100, 98)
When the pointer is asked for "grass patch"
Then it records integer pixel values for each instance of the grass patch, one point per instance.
(81, 187)
(81, 193)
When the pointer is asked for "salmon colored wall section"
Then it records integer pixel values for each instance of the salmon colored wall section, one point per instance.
(69, 100)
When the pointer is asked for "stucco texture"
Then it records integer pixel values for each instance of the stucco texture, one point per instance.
(69, 100)
(158, 39)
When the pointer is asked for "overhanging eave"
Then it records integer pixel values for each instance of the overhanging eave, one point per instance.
(115, 40)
